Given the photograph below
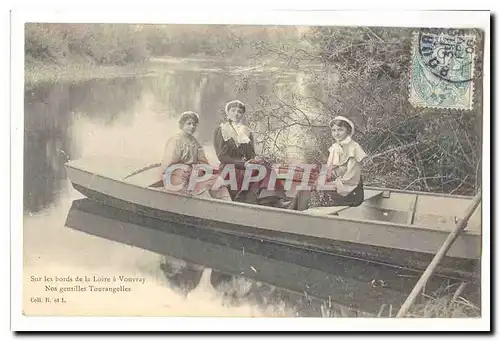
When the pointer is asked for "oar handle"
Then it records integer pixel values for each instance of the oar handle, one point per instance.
(154, 165)
(461, 224)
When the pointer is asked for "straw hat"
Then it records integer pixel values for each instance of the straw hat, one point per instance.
(235, 103)
(345, 119)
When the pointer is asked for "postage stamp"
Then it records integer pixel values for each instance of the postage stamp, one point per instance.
(442, 71)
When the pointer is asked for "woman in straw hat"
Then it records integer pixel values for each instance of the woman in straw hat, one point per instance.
(184, 149)
(344, 167)
(234, 145)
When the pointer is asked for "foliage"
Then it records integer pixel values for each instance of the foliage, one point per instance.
(362, 73)
(104, 44)
(120, 44)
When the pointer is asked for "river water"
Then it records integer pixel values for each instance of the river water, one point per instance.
(134, 116)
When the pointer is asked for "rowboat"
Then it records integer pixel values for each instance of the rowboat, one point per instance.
(392, 227)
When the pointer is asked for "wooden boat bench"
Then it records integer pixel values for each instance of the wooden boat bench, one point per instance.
(333, 210)
(419, 211)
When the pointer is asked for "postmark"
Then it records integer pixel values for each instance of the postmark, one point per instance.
(442, 70)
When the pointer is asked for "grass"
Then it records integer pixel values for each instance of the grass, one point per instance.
(441, 307)
(444, 303)
(445, 306)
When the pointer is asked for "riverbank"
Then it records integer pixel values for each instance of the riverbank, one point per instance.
(37, 72)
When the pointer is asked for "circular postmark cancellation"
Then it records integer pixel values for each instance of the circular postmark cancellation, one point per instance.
(442, 69)
(448, 56)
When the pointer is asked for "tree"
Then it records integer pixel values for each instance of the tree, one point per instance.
(362, 73)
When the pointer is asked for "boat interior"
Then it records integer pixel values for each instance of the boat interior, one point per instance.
(408, 208)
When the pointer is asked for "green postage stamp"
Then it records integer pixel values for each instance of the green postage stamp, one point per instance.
(442, 71)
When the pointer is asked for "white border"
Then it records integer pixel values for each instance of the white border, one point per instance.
(209, 15)
(4, 166)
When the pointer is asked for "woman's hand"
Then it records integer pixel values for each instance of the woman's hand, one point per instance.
(256, 160)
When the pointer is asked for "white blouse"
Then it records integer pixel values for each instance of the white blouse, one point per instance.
(345, 163)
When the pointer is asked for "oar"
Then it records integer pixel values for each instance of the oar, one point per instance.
(461, 224)
(142, 170)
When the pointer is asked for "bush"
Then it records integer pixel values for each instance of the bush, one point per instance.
(104, 44)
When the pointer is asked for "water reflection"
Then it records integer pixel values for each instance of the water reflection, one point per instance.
(244, 267)
(195, 265)
(45, 140)
(51, 111)
(234, 291)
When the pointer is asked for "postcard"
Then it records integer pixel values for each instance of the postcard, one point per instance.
(287, 168)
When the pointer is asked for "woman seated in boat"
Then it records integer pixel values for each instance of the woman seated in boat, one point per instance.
(343, 171)
(234, 145)
(182, 153)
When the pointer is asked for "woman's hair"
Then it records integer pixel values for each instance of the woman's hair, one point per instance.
(235, 104)
(188, 115)
(341, 123)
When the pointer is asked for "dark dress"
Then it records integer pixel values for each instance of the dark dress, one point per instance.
(309, 199)
(229, 153)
